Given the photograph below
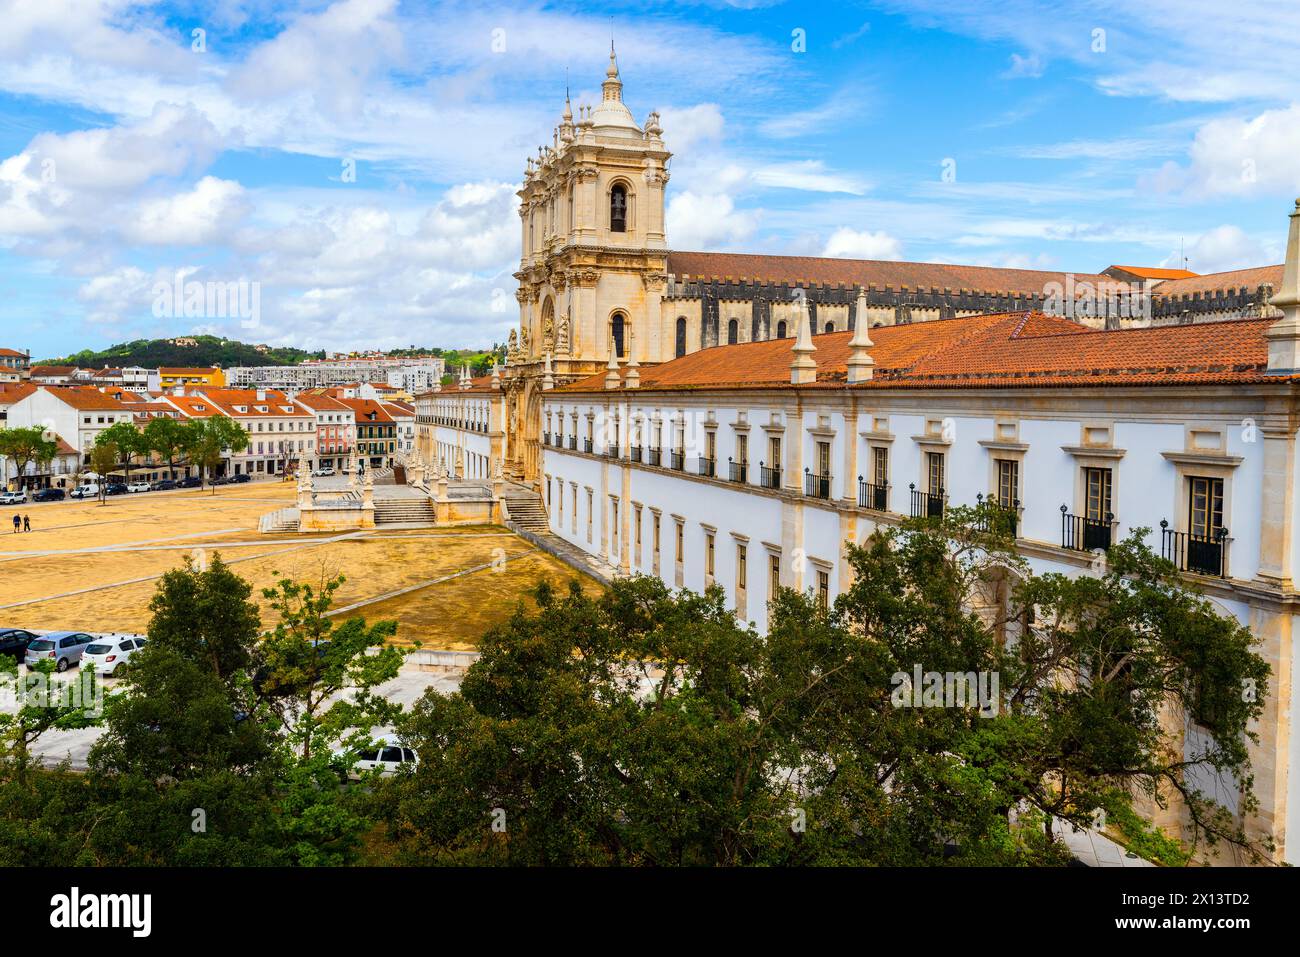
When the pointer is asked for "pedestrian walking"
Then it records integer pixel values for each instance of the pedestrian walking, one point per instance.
(17, 521)
(27, 524)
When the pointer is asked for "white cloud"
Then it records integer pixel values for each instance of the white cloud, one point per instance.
(1239, 156)
(687, 129)
(1223, 248)
(846, 243)
(708, 221)
(205, 214)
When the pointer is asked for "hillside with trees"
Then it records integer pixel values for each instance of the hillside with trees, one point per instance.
(206, 351)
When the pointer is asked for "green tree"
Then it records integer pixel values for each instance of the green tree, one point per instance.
(308, 661)
(104, 457)
(129, 443)
(210, 439)
(646, 727)
(26, 445)
(167, 438)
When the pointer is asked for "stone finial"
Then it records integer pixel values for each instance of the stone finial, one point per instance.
(1284, 335)
(548, 377)
(611, 368)
(464, 377)
(632, 378)
(803, 368)
(496, 375)
(860, 365)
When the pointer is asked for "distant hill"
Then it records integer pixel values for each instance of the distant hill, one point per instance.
(206, 351)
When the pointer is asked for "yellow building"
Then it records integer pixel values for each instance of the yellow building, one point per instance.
(170, 378)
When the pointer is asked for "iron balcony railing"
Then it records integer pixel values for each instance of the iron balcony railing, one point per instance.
(656, 457)
(872, 496)
(816, 486)
(707, 466)
(546, 438)
(611, 451)
(1083, 534)
(1203, 554)
(586, 445)
(677, 460)
(927, 504)
(634, 453)
(737, 471)
(573, 442)
(769, 477)
(996, 517)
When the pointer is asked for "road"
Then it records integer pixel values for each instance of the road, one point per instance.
(74, 746)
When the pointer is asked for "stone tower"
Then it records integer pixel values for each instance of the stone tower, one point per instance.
(594, 257)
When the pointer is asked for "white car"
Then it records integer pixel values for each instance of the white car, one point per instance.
(138, 487)
(388, 758)
(108, 654)
(89, 490)
(13, 498)
(327, 470)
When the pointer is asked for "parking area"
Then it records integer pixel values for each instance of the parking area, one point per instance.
(94, 567)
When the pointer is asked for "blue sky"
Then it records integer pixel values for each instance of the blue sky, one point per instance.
(1075, 135)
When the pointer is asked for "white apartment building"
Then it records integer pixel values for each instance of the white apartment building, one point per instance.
(280, 431)
(75, 413)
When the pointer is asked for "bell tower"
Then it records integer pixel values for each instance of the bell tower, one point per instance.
(593, 263)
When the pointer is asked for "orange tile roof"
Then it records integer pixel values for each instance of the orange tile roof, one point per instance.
(1156, 272)
(990, 351)
(12, 354)
(865, 272)
(319, 401)
(1252, 279)
(274, 400)
(363, 408)
(86, 398)
(11, 392)
(52, 370)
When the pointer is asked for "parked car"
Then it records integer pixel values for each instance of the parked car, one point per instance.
(49, 495)
(192, 482)
(163, 485)
(326, 470)
(139, 487)
(64, 648)
(241, 478)
(388, 759)
(13, 498)
(108, 656)
(14, 642)
(220, 480)
(85, 490)
(117, 488)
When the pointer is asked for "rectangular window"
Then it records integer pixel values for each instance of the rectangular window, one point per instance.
(1008, 482)
(636, 520)
(774, 576)
(711, 445)
(774, 453)
(823, 458)
(613, 529)
(590, 508)
(1205, 507)
(680, 549)
(934, 468)
(708, 556)
(655, 537)
(1097, 485)
(742, 571)
(880, 466)
(742, 449)
(823, 589)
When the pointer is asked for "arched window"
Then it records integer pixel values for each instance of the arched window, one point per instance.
(780, 329)
(618, 209)
(753, 330)
(830, 327)
(681, 336)
(732, 332)
(617, 330)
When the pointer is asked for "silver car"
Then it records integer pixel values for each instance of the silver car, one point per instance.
(64, 648)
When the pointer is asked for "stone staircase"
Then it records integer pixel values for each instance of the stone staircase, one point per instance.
(404, 511)
(279, 522)
(525, 510)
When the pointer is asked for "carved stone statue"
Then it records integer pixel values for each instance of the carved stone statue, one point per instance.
(562, 336)
(548, 334)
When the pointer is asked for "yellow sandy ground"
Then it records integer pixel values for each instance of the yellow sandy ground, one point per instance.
(82, 565)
